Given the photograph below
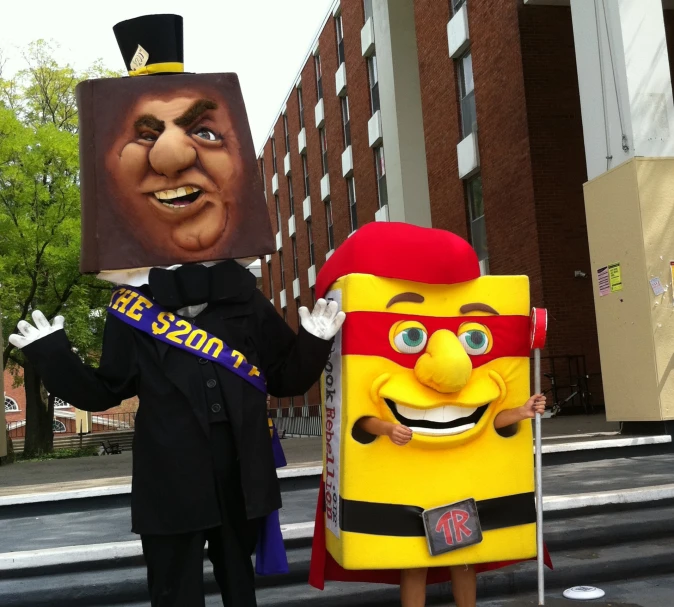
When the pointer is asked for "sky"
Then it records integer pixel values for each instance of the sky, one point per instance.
(264, 41)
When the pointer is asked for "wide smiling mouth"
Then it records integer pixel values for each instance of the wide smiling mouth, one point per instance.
(179, 197)
(445, 420)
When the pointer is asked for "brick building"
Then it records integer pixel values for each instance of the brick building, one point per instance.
(463, 115)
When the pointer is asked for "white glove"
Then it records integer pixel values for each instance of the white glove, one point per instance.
(325, 321)
(29, 333)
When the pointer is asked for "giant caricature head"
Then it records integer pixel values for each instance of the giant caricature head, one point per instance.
(168, 169)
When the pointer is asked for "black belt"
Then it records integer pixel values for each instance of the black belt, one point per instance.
(406, 521)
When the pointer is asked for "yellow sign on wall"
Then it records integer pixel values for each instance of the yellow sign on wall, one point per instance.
(615, 277)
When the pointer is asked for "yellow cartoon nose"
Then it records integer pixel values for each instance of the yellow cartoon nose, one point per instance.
(444, 366)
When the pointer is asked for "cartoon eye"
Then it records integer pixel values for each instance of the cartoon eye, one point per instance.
(410, 340)
(475, 341)
(206, 134)
(149, 136)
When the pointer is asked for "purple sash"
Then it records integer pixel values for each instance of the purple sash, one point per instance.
(270, 554)
(133, 308)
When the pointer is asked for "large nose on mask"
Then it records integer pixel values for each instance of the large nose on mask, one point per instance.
(445, 366)
(172, 153)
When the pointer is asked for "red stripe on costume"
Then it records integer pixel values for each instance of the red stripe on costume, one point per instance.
(367, 334)
(324, 568)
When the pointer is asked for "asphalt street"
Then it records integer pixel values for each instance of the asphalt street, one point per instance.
(646, 592)
(102, 520)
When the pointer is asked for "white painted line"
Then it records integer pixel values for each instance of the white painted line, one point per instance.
(56, 496)
(103, 491)
(297, 531)
(606, 498)
(90, 553)
(299, 471)
(634, 441)
(12, 561)
(588, 435)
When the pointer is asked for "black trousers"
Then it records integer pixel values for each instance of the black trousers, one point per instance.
(175, 562)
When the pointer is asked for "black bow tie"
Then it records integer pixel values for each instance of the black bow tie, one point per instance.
(195, 284)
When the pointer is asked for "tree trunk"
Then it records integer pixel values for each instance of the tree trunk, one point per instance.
(9, 458)
(39, 415)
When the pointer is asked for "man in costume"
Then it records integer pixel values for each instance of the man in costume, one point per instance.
(168, 176)
(428, 470)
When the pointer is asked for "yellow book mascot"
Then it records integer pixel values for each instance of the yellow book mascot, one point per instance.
(432, 347)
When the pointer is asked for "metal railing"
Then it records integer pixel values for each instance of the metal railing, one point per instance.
(112, 422)
(302, 420)
(16, 429)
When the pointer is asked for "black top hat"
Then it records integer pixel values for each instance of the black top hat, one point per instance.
(151, 44)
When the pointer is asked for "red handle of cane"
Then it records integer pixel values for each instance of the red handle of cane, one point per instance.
(539, 330)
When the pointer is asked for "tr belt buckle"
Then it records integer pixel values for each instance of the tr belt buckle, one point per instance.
(452, 527)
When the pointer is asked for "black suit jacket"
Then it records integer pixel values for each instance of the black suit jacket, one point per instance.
(174, 488)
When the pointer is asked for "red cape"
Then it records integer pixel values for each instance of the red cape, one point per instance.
(323, 567)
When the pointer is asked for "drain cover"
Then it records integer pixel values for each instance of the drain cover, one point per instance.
(583, 593)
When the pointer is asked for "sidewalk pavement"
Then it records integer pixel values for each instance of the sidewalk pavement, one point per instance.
(86, 472)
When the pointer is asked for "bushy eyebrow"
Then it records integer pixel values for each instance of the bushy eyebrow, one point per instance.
(477, 307)
(194, 112)
(405, 297)
(151, 122)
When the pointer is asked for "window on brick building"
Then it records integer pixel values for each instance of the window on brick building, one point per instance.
(263, 177)
(339, 27)
(456, 4)
(305, 174)
(286, 133)
(466, 89)
(346, 121)
(296, 261)
(351, 192)
(331, 229)
(367, 8)
(59, 403)
(300, 104)
(59, 427)
(373, 76)
(310, 236)
(324, 150)
(380, 169)
(319, 76)
(291, 196)
(271, 280)
(11, 406)
(283, 271)
(478, 228)
(273, 155)
(278, 213)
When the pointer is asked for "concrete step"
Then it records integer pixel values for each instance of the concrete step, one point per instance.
(588, 545)
(124, 585)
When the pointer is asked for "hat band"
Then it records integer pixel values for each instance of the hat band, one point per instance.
(157, 68)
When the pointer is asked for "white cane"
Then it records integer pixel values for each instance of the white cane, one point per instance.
(539, 327)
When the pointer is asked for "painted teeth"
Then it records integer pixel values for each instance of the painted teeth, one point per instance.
(442, 432)
(447, 413)
(171, 194)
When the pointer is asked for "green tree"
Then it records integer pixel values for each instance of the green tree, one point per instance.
(40, 222)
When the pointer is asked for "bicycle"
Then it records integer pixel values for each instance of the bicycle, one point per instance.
(578, 389)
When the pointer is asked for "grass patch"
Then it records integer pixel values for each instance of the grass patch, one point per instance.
(87, 451)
